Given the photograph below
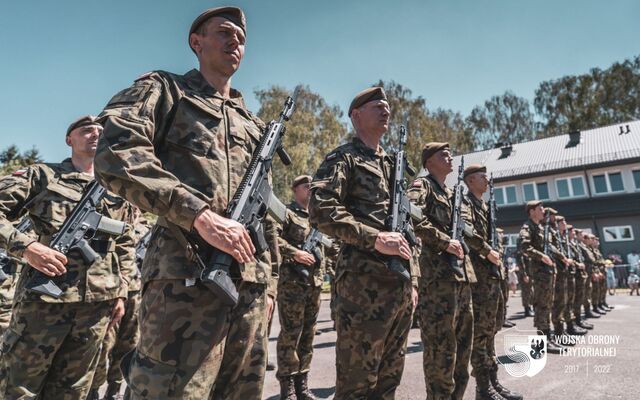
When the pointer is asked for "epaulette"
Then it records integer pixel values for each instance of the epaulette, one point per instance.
(144, 76)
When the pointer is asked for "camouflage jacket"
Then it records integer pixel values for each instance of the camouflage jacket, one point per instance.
(578, 256)
(173, 146)
(433, 230)
(479, 243)
(293, 233)
(350, 201)
(589, 257)
(48, 193)
(556, 248)
(531, 245)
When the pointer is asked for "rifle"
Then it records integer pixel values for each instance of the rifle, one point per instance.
(457, 224)
(141, 248)
(546, 238)
(311, 245)
(248, 206)
(399, 219)
(79, 227)
(493, 226)
(5, 260)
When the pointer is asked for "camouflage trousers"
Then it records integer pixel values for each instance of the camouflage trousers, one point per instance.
(192, 346)
(373, 321)
(487, 300)
(7, 290)
(588, 289)
(596, 293)
(332, 302)
(298, 308)
(543, 289)
(559, 301)
(571, 294)
(120, 340)
(51, 350)
(527, 290)
(503, 300)
(446, 327)
(602, 291)
(578, 299)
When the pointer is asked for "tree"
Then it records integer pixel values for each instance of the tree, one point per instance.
(314, 130)
(12, 160)
(502, 119)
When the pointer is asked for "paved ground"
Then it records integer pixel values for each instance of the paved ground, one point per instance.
(583, 377)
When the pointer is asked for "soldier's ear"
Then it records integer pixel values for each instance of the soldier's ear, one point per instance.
(67, 140)
(194, 42)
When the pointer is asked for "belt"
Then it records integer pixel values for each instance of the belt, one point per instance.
(102, 245)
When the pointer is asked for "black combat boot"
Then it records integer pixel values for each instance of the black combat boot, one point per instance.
(113, 392)
(302, 387)
(589, 314)
(552, 347)
(93, 395)
(287, 388)
(608, 306)
(597, 311)
(560, 337)
(528, 311)
(484, 390)
(503, 391)
(508, 324)
(602, 306)
(574, 329)
(583, 324)
(270, 365)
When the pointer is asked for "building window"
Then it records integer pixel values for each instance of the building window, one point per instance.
(570, 187)
(510, 239)
(636, 179)
(622, 233)
(608, 183)
(535, 191)
(505, 195)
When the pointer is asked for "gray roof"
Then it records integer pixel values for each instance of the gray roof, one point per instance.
(550, 155)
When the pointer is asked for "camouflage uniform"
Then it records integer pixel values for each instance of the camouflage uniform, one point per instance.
(581, 278)
(561, 289)
(331, 262)
(590, 262)
(298, 299)
(174, 146)
(123, 336)
(599, 296)
(486, 295)
(530, 244)
(445, 305)
(7, 291)
(350, 201)
(52, 345)
(526, 288)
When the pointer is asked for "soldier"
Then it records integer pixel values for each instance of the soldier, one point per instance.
(350, 201)
(123, 336)
(446, 315)
(178, 146)
(486, 294)
(573, 281)
(561, 286)
(581, 278)
(501, 318)
(52, 346)
(298, 296)
(599, 297)
(590, 261)
(526, 284)
(531, 245)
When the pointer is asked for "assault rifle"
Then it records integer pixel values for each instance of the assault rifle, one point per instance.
(6, 263)
(311, 245)
(399, 219)
(546, 238)
(457, 224)
(493, 229)
(76, 231)
(249, 206)
(141, 248)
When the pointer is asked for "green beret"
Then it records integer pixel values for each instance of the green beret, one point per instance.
(431, 149)
(233, 14)
(82, 121)
(551, 211)
(532, 204)
(299, 180)
(559, 218)
(499, 230)
(570, 227)
(473, 168)
(367, 95)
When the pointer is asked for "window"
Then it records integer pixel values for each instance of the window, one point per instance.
(636, 179)
(608, 183)
(511, 239)
(505, 195)
(622, 233)
(535, 191)
(570, 187)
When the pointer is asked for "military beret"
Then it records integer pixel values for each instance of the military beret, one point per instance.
(431, 149)
(551, 211)
(233, 14)
(82, 121)
(367, 95)
(473, 168)
(299, 180)
(532, 204)
(559, 218)
(499, 230)
(569, 227)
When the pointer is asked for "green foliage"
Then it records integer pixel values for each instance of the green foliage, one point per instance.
(314, 130)
(11, 159)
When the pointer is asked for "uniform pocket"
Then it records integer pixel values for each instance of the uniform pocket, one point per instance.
(149, 378)
(9, 340)
(194, 127)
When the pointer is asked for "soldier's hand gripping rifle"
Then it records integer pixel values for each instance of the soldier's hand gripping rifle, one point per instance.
(6, 263)
(311, 245)
(546, 238)
(493, 229)
(76, 231)
(248, 206)
(399, 219)
(458, 224)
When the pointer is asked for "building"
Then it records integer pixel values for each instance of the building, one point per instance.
(591, 177)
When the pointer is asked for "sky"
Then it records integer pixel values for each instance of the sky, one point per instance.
(63, 59)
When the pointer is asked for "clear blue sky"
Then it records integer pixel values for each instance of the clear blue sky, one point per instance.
(63, 59)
